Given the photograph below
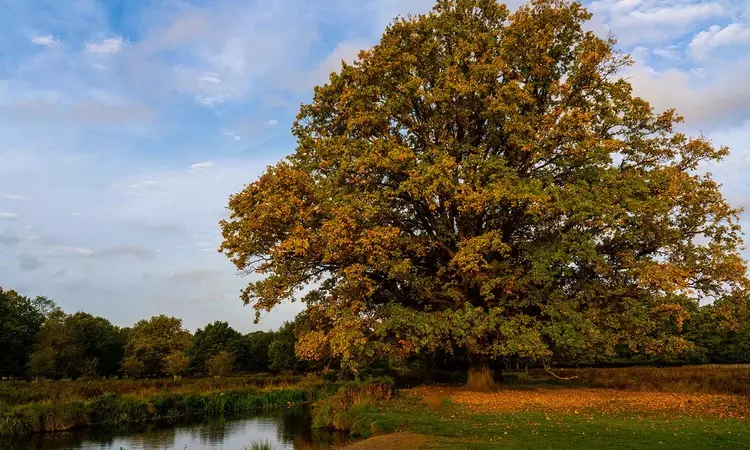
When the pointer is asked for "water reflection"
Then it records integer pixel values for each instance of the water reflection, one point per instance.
(287, 429)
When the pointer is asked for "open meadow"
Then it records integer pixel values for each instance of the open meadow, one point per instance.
(624, 408)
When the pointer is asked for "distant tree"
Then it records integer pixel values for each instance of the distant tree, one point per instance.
(214, 338)
(176, 363)
(738, 348)
(722, 340)
(257, 344)
(487, 181)
(57, 352)
(20, 320)
(100, 341)
(150, 341)
(220, 364)
(78, 344)
(281, 354)
(42, 363)
(133, 367)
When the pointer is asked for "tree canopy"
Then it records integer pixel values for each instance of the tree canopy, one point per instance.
(20, 320)
(486, 180)
(75, 345)
(257, 344)
(281, 354)
(151, 341)
(214, 338)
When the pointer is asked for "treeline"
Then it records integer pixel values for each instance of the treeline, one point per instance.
(38, 339)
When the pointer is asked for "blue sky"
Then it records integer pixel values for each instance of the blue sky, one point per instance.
(125, 125)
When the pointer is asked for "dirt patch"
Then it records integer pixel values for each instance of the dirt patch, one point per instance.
(605, 401)
(405, 440)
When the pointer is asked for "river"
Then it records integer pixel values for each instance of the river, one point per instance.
(284, 430)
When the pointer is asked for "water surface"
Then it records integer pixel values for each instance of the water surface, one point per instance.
(285, 430)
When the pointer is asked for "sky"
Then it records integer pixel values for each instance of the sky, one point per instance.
(125, 125)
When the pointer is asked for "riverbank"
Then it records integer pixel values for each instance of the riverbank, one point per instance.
(27, 408)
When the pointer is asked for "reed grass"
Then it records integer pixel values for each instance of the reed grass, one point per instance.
(22, 392)
(260, 445)
(112, 409)
(344, 410)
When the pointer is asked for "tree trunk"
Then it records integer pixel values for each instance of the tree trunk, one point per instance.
(480, 375)
(499, 372)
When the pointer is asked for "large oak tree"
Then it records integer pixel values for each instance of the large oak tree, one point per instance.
(486, 180)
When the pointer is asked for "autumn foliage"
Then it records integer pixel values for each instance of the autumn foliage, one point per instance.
(485, 180)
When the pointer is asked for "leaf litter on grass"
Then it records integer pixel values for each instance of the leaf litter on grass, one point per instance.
(582, 401)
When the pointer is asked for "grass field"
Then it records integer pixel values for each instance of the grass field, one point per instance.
(554, 417)
(616, 408)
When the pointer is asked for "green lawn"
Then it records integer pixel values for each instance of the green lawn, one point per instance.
(452, 427)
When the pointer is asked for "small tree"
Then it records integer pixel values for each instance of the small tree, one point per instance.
(133, 367)
(176, 364)
(221, 364)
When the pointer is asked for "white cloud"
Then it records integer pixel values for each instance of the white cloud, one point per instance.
(135, 251)
(107, 46)
(344, 51)
(65, 250)
(15, 197)
(272, 123)
(211, 90)
(229, 53)
(8, 216)
(650, 21)
(714, 97)
(146, 185)
(230, 134)
(676, 15)
(731, 35)
(201, 165)
(75, 214)
(671, 53)
(46, 40)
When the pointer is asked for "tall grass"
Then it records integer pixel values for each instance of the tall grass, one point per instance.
(260, 445)
(21, 392)
(685, 379)
(343, 411)
(111, 409)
